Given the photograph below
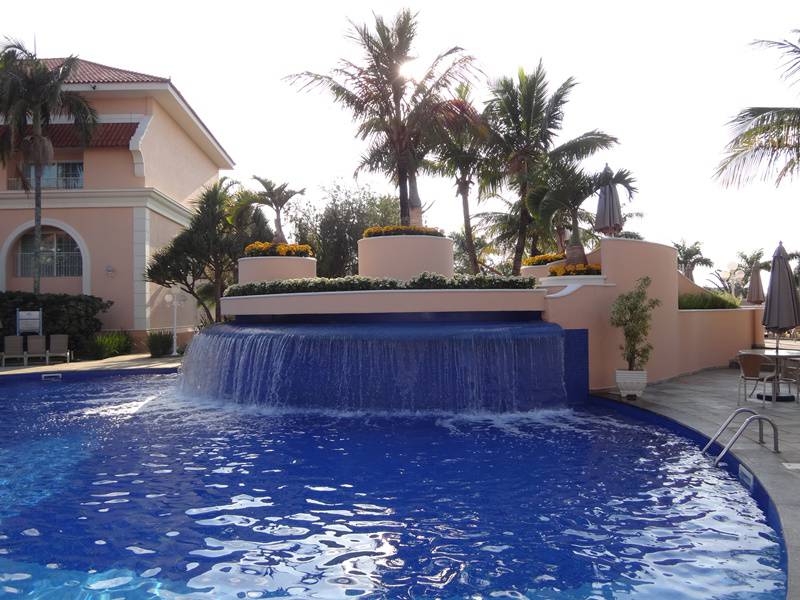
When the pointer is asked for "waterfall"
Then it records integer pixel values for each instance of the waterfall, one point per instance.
(439, 366)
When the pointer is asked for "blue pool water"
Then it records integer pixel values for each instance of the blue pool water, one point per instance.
(121, 488)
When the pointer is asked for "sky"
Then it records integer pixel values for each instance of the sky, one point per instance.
(664, 78)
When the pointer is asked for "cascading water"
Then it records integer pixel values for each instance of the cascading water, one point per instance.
(447, 366)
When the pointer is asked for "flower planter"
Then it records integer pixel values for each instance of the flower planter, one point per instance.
(405, 256)
(552, 281)
(270, 268)
(631, 383)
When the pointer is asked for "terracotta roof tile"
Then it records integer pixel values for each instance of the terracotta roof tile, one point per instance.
(92, 72)
(105, 135)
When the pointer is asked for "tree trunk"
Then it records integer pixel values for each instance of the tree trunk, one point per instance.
(688, 271)
(522, 231)
(279, 238)
(469, 241)
(218, 298)
(37, 228)
(534, 248)
(402, 182)
(575, 252)
(414, 202)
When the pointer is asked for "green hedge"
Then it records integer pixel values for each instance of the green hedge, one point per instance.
(75, 316)
(111, 343)
(159, 343)
(389, 230)
(357, 283)
(706, 301)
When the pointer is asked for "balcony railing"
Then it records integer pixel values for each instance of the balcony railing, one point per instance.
(54, 264)
(49, 183)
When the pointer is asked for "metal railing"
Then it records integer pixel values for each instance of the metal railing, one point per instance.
(754, 416)
(54, 264)
(48, 183)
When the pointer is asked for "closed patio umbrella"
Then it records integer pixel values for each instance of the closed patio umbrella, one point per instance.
(782, 308)
(609, 212)
(755, 291)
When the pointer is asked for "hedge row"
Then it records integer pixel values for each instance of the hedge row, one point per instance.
(708, 301)
(402, 230)
(75, 316)
(357, 283)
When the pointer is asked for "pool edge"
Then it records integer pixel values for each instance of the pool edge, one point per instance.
(778, 512)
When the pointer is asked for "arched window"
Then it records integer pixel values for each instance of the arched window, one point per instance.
(60, 255)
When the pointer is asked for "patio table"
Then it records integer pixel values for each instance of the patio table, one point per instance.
(776, 356)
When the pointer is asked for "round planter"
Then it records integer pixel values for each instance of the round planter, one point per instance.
(631, 383)
(405, 256)
(270, 268)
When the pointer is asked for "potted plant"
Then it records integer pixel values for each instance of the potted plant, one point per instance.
(633, 313)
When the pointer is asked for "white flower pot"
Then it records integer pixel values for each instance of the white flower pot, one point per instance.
(631, 383)
(405, 256)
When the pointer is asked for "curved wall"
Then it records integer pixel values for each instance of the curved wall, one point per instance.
(405, 256)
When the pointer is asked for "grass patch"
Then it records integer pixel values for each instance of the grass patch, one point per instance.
(707, 301)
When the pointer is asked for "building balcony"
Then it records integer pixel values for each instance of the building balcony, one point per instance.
(48, 183)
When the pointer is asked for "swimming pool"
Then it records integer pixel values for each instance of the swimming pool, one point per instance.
(118, 488)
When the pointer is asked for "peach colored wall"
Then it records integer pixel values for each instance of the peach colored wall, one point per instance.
(682, 342)
(685, 286)
(162, 230)
(174, 164)
(714, 336)
(108, 232)
(404, 256)
(105, 168)
(106, 104)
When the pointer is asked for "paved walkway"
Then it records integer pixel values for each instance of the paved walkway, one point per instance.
(703, 401)
(128, 361)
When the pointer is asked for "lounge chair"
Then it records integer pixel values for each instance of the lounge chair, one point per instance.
(751, 369)
(12, 348)
(37, 347)
(59, 347)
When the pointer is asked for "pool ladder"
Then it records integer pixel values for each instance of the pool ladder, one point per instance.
(754, 416)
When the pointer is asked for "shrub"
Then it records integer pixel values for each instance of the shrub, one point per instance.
(402, 230)
(561, 270)
(543, 259)
(356, 283)
(159, 343)
(707, 301)
(633, 312)
(111, 343)
(272, 249)
(75, 316)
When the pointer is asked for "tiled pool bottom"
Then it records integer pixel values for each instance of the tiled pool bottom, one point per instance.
(115, 488)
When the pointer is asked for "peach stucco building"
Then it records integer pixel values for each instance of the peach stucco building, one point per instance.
(108, 206)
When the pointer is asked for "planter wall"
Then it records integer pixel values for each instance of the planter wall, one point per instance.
(405, 256)
(270, 268)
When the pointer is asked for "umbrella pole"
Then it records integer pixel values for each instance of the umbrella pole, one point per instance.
(776, 385)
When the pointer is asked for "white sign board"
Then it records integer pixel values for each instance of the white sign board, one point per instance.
(29, 321)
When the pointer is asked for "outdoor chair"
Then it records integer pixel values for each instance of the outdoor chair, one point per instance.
(751, 369)
(37, 347)
(12, 348)
(59, 348)
(790, 372)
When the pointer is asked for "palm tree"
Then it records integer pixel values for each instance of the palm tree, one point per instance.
(460, 146)
(766, 138)
(689, 257)
(751, 260)
(524, 120)
(30, 95)
(275, 196)
(568, 187)
(393, 111)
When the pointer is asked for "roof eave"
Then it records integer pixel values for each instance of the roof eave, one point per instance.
(206, 140)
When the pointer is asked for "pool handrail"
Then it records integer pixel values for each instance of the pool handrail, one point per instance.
(727, 422)
(747, 421)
